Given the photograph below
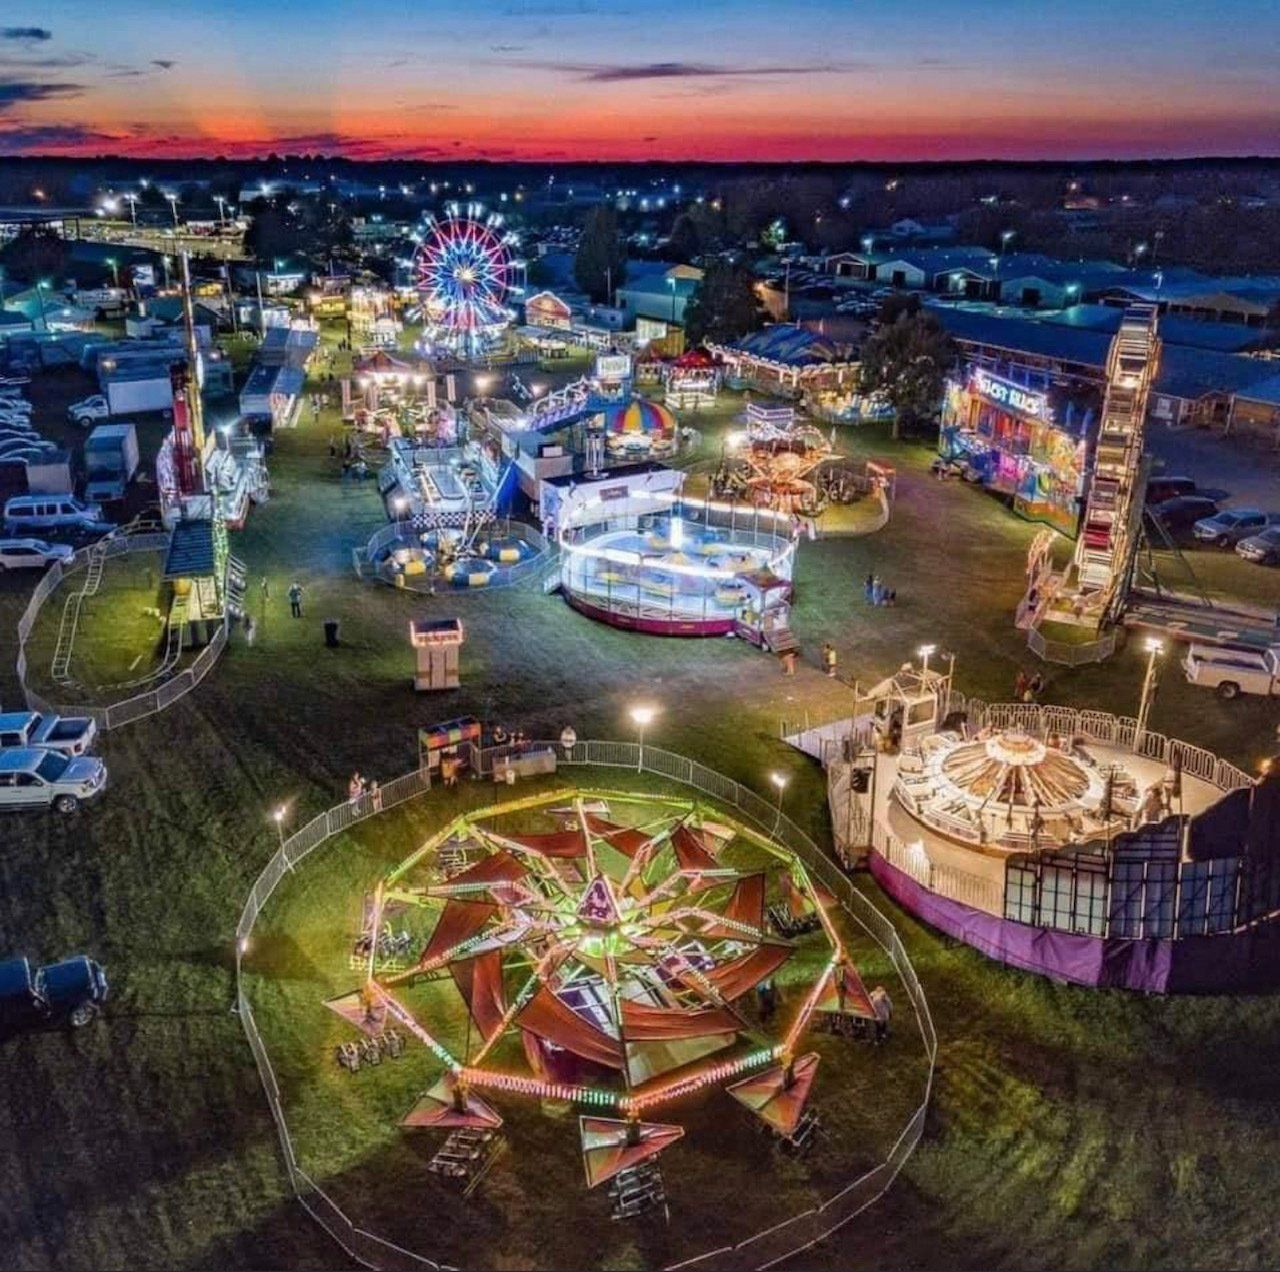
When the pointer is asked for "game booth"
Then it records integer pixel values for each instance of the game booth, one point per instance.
(693, 381)
(1022, 440)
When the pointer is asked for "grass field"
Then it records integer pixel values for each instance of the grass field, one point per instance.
(120, 634)
(1069, 1127)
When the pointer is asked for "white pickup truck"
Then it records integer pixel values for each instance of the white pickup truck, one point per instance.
(72, 735)
(1231, 672)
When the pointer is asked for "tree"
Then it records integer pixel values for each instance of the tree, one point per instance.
(906, 362)
(725, 306)
(36, 255)
(685, 242)
(599, 268)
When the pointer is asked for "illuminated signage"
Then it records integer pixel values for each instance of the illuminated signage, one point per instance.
(1010, 395)
(613, 366)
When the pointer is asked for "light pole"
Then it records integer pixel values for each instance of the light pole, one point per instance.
(44, 321)
(221, 201)
(642, 717)
(115, 269)
(173, 207)
(924, 651)
(132, 200)
(671, 282)
(779, 781)
(1149, 682)
(278, 818)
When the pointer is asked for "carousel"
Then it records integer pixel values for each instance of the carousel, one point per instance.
(1005, 788)
(639, 430)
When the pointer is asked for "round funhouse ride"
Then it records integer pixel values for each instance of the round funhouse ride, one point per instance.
(659, 563)
(465, 271)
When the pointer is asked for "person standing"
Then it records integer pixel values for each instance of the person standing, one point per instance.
(295, 599)
(829, 659)
(868, 588)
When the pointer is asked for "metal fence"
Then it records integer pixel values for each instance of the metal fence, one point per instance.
(137, 706)
(762, 1250)
(1070, 654)
(372, 561)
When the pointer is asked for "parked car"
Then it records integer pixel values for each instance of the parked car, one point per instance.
(89, 411)
(72, 991)
(31, 777)
(1231, 672)
(1161, 488)
(52, 512)
(29, 554)
(72, 735)
(1230, 526)
(10, 444)
(1263, 547)
(1183, 511)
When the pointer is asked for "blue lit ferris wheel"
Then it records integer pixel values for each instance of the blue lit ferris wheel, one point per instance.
(465, 271)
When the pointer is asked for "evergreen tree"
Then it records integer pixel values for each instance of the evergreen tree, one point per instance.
(906, 362)
(35, 255)
(600, 268)
(725, 306)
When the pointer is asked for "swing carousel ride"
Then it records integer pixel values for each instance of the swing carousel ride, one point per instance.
(776, 464)
(621, 955)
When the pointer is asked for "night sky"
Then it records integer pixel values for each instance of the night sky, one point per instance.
(635, 79)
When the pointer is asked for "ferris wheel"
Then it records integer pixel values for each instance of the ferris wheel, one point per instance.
(465, 270)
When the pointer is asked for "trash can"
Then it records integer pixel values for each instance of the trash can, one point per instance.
(331, 632)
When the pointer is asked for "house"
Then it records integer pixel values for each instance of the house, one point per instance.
(933, 268)
(660, 292)
(851, 264)
(1256, 409)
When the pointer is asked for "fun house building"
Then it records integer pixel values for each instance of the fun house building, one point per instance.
(1025, 438)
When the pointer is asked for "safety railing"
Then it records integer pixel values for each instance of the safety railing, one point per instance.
(1069, 653)
(763, 1249)
(372, 560)
(137, 706)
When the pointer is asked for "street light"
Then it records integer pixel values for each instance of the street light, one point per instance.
(779, 781)
(671, 282)
(1154, 649)
(642, 717)
(41, 284)
(115, 270)
(173, 207)
(278, 818)
(924, 651)
(132, 200)
(221, 201)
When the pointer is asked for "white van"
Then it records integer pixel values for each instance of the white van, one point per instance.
(24, 513)
(1231, 672)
